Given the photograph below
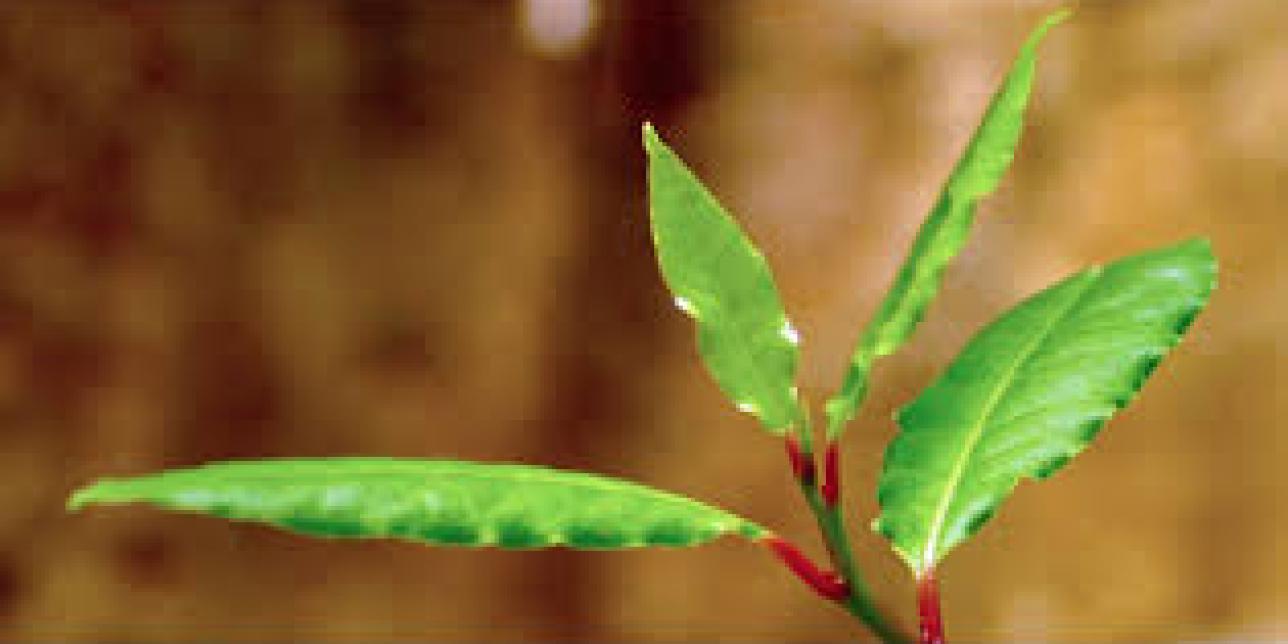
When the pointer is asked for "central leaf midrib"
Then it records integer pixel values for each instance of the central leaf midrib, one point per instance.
(977, 430)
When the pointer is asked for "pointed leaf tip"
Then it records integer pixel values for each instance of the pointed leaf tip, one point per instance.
(78, 499)
(1054, 18)
(648, 133)
(103, 491)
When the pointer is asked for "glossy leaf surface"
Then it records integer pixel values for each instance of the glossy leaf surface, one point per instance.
(942, 235)
(433, 501)
(1030, 391)
(719, 278)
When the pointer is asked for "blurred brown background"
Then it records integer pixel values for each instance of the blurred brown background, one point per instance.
(313, 227)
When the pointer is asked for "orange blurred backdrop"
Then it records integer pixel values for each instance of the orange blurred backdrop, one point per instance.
(322, 227)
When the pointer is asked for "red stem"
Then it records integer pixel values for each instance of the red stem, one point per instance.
(824, 582)
(802, 463)
(831, 489)
(932, 623)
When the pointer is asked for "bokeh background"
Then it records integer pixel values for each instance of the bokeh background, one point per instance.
(319, 227)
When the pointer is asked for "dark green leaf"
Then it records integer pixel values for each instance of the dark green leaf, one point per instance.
(722, 281)
(435, 501)
(1030, 391)
(944, 232)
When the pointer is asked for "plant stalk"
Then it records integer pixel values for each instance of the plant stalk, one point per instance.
(824, 582)
(931, 630)
(858, 602)
(831, 523)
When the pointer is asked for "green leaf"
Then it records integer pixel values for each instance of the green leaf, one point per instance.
(722, 281)
(1030, 391)
(434, 501)
(945, 230)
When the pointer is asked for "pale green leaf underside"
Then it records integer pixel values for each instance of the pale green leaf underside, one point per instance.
(1030, 391)
(433, 501)
(942, 235)
(719, 278)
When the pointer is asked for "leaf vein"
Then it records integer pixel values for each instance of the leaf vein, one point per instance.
(977, 430)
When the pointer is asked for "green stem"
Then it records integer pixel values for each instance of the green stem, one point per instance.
(831, 523)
